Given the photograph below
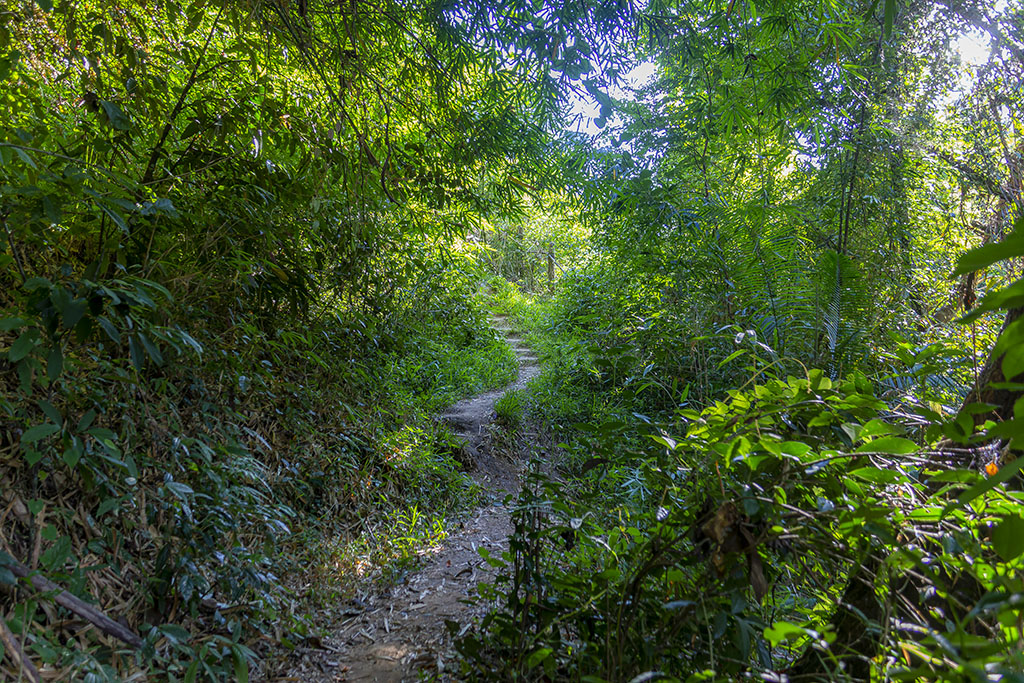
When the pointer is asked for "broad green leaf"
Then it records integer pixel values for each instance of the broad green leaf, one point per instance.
(54, 363)
(51, 412)
(51, 208)
(1008, 537)
(797, 449)
(7, 576)
(73, 312)
(86, 421)
(114, 114)
(25, 157)
(33, 434)
(889, 444)
(987, 254)
(151, 349)
(876, 427)
(193, 127)
(113, 215)
(23, 345)
(537, 656)
(956, 476)
(1013, 362)
(110, 329)
(192, 672)
(72, 455)
(666, 441)
(175, 633)
(180, 490)
(783, 630)
(241, 666)
(34, 283)
(135, 352)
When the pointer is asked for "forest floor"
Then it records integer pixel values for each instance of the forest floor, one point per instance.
(400, 633)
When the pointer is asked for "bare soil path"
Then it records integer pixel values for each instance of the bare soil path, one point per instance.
(400, 635)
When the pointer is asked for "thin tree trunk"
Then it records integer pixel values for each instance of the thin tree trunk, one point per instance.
(856, 642)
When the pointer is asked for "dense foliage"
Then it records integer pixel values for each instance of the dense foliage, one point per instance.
(242, 264)
(795, 189)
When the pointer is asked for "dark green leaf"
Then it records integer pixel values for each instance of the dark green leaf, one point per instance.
(86, 420)
(1008, 537)
(151, 349)
(135, 352)
(114, 114)
(175, 633)
(23, 345)
(7, 576)
(241, 666)
(54, 363)
(73, 312)
(51, 207)
(73, 454)
(34, 283)
(890, 16)
(1013, 362)
(110, 329)
(876, 475)
(33, 434)
(732, 356)
(50, 412)
(538, 656)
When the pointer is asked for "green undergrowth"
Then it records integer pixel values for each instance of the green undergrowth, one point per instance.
(216, 474)
(718, 543)
(723, 512)
(553, 395)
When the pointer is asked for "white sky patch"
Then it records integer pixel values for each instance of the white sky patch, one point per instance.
(583, 111)
(974, 47)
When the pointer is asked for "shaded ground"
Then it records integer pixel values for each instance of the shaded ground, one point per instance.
(395, 636)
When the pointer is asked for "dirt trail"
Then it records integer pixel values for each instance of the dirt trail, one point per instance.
(393, 637)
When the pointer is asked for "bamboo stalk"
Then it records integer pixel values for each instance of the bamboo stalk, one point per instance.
(17, 655)
(76, 605)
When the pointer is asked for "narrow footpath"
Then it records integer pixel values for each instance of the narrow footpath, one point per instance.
(394, 637)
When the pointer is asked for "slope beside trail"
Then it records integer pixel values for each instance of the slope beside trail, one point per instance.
(396, 636)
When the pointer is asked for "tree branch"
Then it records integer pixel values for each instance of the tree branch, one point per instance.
(74, 604)
(977, 178)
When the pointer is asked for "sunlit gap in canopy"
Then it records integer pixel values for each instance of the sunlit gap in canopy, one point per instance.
(974, 48)
(584, 110)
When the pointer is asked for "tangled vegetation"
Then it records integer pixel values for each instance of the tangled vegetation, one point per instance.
(249, 249)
